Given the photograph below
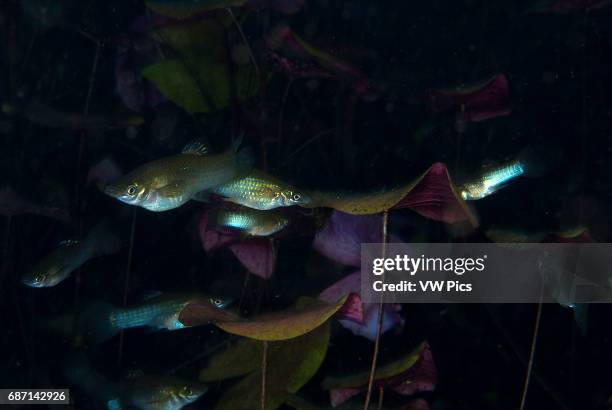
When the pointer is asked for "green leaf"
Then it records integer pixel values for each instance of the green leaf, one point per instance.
(186, 8)
(290, 365)
(306, 315)
(204, 37)
(200, 85)
(384, 372)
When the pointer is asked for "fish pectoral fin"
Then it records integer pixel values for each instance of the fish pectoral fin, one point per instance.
(172, 190)
(202, 196)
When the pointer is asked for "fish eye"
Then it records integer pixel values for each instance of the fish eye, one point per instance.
(216, 301)
(187, 391)
(297, 197)
(131, 191)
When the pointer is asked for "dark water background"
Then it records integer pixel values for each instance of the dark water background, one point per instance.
(559, 69)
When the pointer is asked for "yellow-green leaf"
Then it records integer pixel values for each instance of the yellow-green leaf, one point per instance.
(305, 316)
(384, 372)
(200, 85)
(290, 365)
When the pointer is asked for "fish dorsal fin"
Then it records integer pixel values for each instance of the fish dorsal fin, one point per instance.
(151, 295)
(134, 374)
(196, 147)
(68, 243)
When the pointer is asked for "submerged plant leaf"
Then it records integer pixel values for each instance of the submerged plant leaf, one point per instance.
(200, 85)
(256, 254)
(200, 312)
(432, 195)
(484, 101)
(186, 8)
(358, 317)
(193, 39)
(410, 374)
(305, 316)
(290, 365)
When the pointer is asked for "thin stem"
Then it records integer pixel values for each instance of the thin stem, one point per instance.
(244, 39)
(126, 284)
(264, 365)
(379, 323)
(381, 397)
(534, 341)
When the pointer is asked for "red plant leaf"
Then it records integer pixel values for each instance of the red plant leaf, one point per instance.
(411, 374)
(434, 196)
(257, 255)
(481, 102)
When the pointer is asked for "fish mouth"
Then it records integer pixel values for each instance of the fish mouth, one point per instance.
(111, 191)
(32, 282)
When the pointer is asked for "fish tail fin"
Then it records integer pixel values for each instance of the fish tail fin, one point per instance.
(539, 160)
(96, 322)
(78, 372)
(245, 157)
(90, 326)
(104, 239)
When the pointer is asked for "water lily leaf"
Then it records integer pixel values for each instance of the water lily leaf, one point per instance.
(432, 195)
(305, 316)
(240, 359)
(203, 37)
(415, 372)
(186, 8)
(290, 365)
(489, 99)
(388, 371)
(200, 85)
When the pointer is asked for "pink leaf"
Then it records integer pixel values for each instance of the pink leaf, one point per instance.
(342, 236)
(295, 57)
(435, 197)
(257, 255)
(419, 378)
(349, 284)
(339, 396)
(369, 325)
(481, 102)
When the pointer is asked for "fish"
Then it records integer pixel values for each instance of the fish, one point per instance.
(492, 180)
(72, 254)
(100, 320)
(253, 222)
(140, 391)
(170, 182)
(261, 191)
(13, 204)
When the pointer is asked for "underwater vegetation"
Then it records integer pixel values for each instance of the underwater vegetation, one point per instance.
(186, 186)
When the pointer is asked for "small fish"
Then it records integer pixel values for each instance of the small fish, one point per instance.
(71, 254)
(170, 182)
(492, 181)
(261, 191)
(152, 392)
(100, 321)
(13, 204)
(160, 312)
(251, 221)
(145, 392)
